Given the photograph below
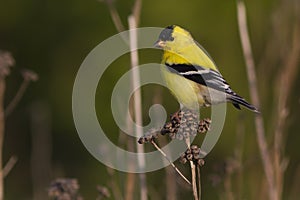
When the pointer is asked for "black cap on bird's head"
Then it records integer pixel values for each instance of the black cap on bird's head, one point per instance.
(169, 34)
(165, 35)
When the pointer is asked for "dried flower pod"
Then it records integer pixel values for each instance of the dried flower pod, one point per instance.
(186, 134)
(182, 158)
(182, 124)
(149, 136)
(183, 121)
(194, 147)
(204, 125)
(201, 162)
(141, 140)
(196, 151)
(189, 156)
(192, 154)
(167, 128)
(187, 129)
(179, 136)
(196, 156)
(188, 151)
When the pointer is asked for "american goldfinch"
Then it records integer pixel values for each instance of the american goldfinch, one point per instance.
(191, 74)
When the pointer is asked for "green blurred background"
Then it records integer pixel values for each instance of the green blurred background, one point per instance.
(52, 38)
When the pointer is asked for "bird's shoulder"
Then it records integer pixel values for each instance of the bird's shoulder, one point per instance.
(192, 53)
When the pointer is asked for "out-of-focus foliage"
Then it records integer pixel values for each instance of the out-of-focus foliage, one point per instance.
(53, 38)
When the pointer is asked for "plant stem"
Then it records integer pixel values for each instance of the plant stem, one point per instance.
(14, 102)
(172, 164)
(137, 103)
(194, 183)
(9, 165)
(199, 180)
(259, 124)
(193, 170)
(2, 128)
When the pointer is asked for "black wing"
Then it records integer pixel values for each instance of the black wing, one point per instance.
(210, 78)
(202, 76)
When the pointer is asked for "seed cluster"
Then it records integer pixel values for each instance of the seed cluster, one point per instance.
(192, 154)
(204, 125)
(150, 135)
(64, 189)
(184, 124)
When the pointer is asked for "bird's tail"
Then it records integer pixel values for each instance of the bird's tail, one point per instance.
(237, 101)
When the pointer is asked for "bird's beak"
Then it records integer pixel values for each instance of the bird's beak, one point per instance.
(160, 44)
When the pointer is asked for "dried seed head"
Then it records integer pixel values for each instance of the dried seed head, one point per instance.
(201, 162)
(188, 151)
(103, 192)
(196, 151)
(149, 136)
(64, 189)
(185, 121)
(141, 140)
(192, 154)
(187, 129)
(30, 75)
(6, 61)
(204, 125)
(196, 156)
(184, 124)
(189, 156)
(183, 160)
(186, 134)
(179, 136)
(194, 147)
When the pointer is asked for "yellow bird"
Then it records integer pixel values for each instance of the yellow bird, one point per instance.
(191, 74)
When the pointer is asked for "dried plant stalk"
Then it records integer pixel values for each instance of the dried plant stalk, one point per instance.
(171, 163)
(2, 122)
(137, 103)
(6, 61)
(9, 165)
(193, 171)
(199, 180)
(259, 124)
(194, 182)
